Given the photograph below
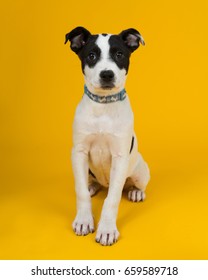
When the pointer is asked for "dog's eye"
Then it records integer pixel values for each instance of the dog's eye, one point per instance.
(119, 55)
(92, 56)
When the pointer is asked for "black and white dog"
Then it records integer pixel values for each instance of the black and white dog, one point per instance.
(105, 145)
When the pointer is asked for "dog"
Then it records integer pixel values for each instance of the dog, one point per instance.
(105, 151)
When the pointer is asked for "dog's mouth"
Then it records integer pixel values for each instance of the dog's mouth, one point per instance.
(107, 86)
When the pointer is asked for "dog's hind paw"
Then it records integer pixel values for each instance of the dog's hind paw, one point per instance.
(136, 195)
(94, 188)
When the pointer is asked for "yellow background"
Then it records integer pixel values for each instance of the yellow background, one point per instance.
(40, 86)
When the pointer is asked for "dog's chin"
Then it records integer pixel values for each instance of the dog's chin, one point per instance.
(103, 88)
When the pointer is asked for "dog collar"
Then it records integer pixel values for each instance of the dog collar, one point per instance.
(107, 98)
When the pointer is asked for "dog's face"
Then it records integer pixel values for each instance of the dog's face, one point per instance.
(104, 57)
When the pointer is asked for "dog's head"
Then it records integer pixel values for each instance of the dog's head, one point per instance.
(104, 57)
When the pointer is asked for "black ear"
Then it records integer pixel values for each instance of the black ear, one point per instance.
(132, 38)
(78, 38)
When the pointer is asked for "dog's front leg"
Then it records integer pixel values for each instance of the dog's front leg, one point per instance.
(107, 232)
(83, 223)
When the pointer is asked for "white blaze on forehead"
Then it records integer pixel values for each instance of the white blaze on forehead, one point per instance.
(103, 44)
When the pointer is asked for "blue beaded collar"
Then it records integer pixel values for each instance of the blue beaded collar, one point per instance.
(107, 98)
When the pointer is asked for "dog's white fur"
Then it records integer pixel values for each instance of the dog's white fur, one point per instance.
(102, 135)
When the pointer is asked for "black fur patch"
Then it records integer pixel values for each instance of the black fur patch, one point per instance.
(119, 52)
(89, 48)
(132, 144)
(90, 173)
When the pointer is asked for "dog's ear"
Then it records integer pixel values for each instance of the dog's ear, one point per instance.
(78, 38)
(132, 38)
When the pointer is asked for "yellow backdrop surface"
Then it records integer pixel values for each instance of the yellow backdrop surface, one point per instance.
(40, 86)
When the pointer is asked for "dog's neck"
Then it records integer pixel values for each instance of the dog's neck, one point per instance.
(104, 99)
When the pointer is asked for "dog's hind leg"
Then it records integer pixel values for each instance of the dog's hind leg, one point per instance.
(140, 178)
(93, 184)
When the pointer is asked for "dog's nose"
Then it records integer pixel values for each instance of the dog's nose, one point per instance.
(107, 75)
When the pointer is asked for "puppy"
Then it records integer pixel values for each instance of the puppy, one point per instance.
(105, 149)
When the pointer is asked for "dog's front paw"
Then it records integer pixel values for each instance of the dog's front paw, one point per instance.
(83, 223)
(107, 234)
(136, 195)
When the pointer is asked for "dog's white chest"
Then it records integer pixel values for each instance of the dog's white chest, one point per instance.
(100, 158)
(103, 132)
(101, 146)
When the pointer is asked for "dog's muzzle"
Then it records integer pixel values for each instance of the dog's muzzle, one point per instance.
(107, 79)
